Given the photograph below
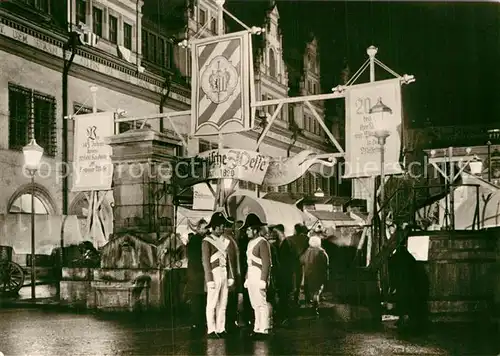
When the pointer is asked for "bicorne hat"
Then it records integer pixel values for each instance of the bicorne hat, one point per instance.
(218, 219)
(252, 220)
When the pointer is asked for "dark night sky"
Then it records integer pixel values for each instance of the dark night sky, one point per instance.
(453, 49)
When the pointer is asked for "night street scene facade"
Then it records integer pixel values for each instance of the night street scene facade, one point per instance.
(249, 177)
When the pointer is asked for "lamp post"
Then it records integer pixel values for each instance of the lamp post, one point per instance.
(381, 131)
(32, 155)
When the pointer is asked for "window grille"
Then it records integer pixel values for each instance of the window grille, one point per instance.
(28, 109)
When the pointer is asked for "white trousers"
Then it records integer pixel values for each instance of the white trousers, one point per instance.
(217, 302)
(258, 300)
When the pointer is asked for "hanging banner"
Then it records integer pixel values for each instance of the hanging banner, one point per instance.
(92, 165)
(220, 94)
(239, 164)
(284, 171)
(362, 149)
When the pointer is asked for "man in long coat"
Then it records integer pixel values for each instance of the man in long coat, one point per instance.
(300, 243)
(232, 302)
(284, 273)
(315, 262)
(219, 274)
(258, 273)
(195, 284)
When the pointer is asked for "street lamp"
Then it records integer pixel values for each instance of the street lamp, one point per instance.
(382, 127)
(319, 193)
(32, 156)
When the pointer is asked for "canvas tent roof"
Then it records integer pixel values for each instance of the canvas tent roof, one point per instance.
(466, 203)
(269, 211)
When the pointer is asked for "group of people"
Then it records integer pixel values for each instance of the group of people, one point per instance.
(246, 272)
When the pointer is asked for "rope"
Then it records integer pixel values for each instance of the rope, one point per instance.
(81, 107)
(383, 66)
(358, 73)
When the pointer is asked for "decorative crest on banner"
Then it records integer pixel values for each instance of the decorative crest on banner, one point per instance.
(221, 84)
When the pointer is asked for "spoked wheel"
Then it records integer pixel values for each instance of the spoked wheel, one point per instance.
(11, 277)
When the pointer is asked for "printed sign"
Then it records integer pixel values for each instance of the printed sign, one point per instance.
(362, 147)
(221, 84)
(244, 165)
(93, 168)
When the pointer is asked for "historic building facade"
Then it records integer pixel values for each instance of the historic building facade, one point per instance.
(127, 52)
(33, 46)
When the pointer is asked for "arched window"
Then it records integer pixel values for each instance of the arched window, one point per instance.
(20, 202)
(272, 63)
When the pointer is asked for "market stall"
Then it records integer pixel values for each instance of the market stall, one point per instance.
(272, 212)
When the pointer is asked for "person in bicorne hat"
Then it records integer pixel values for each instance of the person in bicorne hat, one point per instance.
(219, 274)
(258, 273)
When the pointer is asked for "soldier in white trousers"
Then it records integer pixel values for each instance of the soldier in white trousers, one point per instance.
(258, 274)
(219, 275)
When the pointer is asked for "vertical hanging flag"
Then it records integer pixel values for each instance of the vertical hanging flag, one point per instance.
(362, 148)
(221, 85)
(92, 164)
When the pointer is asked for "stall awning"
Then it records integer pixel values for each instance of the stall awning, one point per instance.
(333, 218)
(271, 212)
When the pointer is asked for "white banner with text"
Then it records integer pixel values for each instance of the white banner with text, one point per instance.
(363, 156)
(93, 167)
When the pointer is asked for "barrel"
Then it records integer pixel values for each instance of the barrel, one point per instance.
(458, 268)
(6, 253)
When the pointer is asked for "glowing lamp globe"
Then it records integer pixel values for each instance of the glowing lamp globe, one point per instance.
(476, 166)
(380, 118)
(319, 193)
(32, 155)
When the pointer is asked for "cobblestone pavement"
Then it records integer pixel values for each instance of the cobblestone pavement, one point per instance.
(48, 332)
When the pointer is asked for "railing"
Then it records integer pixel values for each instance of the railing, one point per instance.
(383, 246)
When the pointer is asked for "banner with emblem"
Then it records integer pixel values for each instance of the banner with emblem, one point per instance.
(221, 85)
(92, 165)
(362, 149)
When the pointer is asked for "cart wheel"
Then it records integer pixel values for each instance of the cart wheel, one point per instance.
(11, 277)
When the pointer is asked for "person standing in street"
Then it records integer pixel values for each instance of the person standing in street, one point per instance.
(257, 278)
(300, 244)
(315, 262)
(284, 274)
(232, 301)
(216, 252)
(195, 284)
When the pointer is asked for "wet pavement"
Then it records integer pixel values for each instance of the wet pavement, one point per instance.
(50, 332)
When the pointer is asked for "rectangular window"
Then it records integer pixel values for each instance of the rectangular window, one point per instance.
(306, 123)
(169, 51)
(202, 18)
(113, 29)
(282, 189)
(41, 5)
(97, 21)
(145, 44)
(203, 146)
(213, 25)
(127, 36)
(188, 62)
(81, 11)
(28, 108)
(161, 52)
(152, 48)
